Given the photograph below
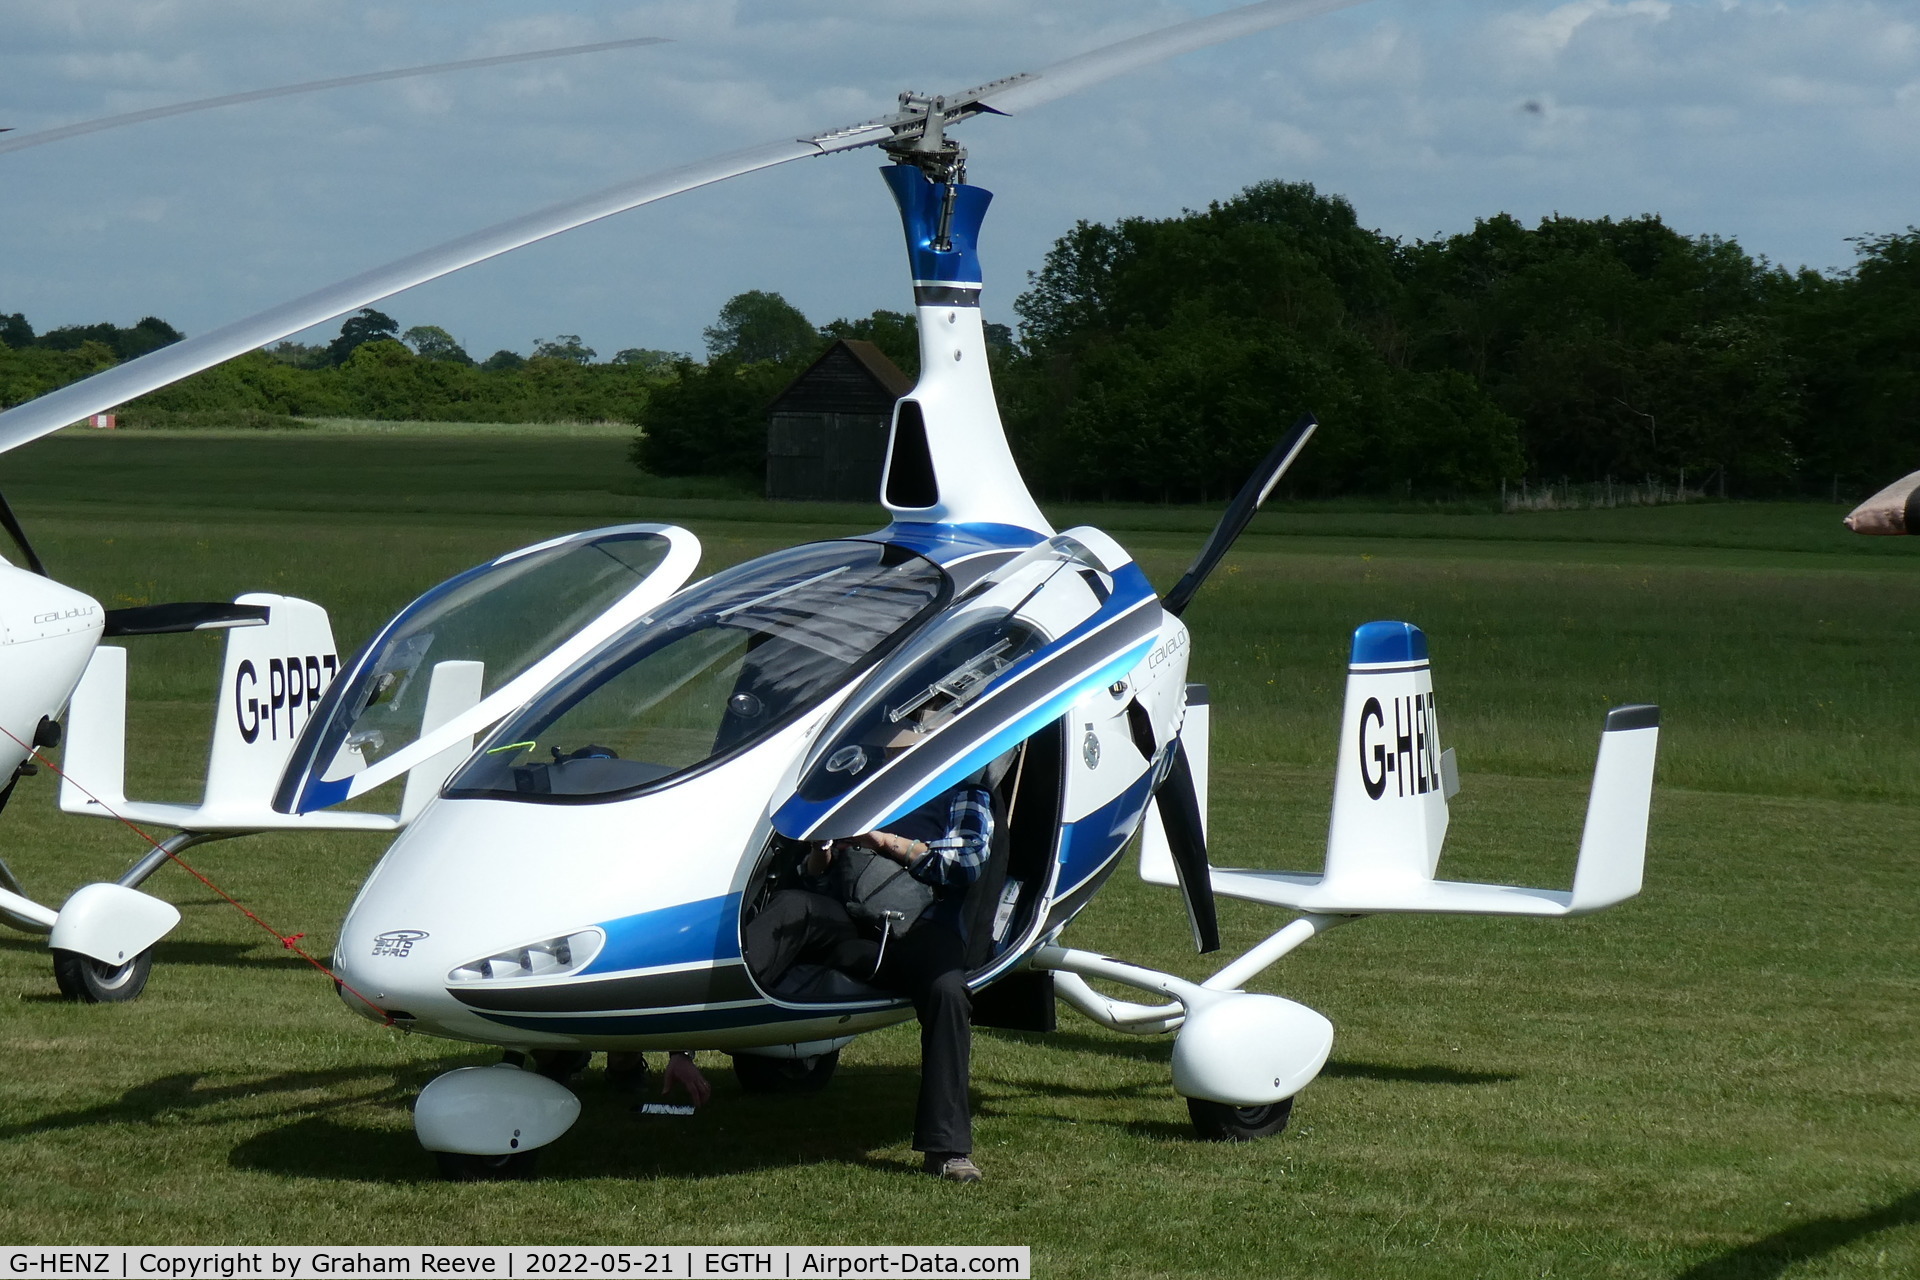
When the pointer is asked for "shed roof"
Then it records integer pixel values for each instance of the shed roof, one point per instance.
(851, 376)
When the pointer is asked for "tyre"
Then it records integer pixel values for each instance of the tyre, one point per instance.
(759, 1074)
(1218, 1122)
(458, 1166)
(96, 982)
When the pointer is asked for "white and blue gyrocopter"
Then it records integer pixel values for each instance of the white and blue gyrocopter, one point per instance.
(609, 765)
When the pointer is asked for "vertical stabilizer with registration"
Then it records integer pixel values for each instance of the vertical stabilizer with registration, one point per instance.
(1389, 798)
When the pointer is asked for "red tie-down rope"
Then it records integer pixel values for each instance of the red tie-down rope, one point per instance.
(291, 941)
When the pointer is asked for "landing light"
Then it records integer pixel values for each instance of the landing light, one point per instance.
(547, 959)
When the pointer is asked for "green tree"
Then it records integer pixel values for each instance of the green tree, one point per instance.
(565, 346)
(503, 361)
(363, 326)
(756, 326)
(710, 420)
(1162, 358)
(645, 359)
(1857, 340)
(1622, 347)
(431, 342)
(895, 333)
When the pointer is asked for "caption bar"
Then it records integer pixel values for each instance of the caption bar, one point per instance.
(686, 1262)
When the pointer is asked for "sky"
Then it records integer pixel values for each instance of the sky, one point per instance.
(1786, 125)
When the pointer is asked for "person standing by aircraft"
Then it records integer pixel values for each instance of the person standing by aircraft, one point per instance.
(943, 845)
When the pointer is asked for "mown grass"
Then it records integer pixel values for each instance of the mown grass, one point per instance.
(1717, 1080)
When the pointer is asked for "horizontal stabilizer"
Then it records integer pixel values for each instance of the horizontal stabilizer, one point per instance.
(1391, 787)
(186, 615)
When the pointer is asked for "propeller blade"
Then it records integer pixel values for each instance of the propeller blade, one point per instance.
(1239, 513)
(11, 524)
(1187, 839)
(169, 364)
(40, 137)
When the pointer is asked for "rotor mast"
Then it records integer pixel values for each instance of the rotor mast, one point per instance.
(947, 455)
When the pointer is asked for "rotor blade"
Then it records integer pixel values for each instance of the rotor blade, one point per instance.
(117, 385)
(169, 364)
(41, 136)
(1023, 93)
(1187, 839)
(1239, 514)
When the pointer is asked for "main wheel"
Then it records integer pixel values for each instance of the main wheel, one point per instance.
(1218, 1122)
(458, 1166)
(96, 982)
(760, 1074)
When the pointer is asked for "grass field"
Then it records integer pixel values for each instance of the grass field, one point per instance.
(1715, 1081)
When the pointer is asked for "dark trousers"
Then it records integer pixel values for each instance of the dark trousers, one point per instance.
(800, 927)
(928, 965)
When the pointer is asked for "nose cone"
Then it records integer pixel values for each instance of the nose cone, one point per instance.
(480, 897)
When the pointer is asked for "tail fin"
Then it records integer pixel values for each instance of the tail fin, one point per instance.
(1389, 785)
(270, 682)
(1390, 793)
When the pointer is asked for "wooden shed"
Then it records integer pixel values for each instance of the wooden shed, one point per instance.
(827, 432)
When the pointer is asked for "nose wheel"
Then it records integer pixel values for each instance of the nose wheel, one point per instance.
(96, 982)
(1219, 1122)
(458, 1166)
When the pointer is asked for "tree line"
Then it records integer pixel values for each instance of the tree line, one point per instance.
(1160, 358)
(371, 370)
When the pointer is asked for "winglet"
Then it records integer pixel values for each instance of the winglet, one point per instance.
(1613, 849)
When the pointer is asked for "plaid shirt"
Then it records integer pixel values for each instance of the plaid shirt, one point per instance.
(955, 860)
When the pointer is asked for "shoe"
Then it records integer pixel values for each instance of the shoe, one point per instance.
(954, 1166)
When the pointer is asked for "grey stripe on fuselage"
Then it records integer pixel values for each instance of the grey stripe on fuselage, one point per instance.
(878, 798)
(678, 988)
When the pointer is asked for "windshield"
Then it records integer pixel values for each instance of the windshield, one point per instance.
(716, 668)
(505, 615)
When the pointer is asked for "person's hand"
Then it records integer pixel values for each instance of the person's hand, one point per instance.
(889, 845)
(820, 857)
(681, 1071)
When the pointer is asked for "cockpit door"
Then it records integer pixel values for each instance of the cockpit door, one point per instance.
(474, 648)
(1042, 632)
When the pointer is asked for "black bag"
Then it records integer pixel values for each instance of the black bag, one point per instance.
(878, 889)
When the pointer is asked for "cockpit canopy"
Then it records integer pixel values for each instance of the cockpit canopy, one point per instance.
(505, 618)
(711, 671)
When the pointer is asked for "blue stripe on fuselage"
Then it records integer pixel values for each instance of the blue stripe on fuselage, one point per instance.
(687, 933)
(942, 542)
(1098, 838)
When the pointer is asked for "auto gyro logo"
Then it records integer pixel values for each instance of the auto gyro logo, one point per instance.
(397, 943)
(1409, 755)
(293, 686)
